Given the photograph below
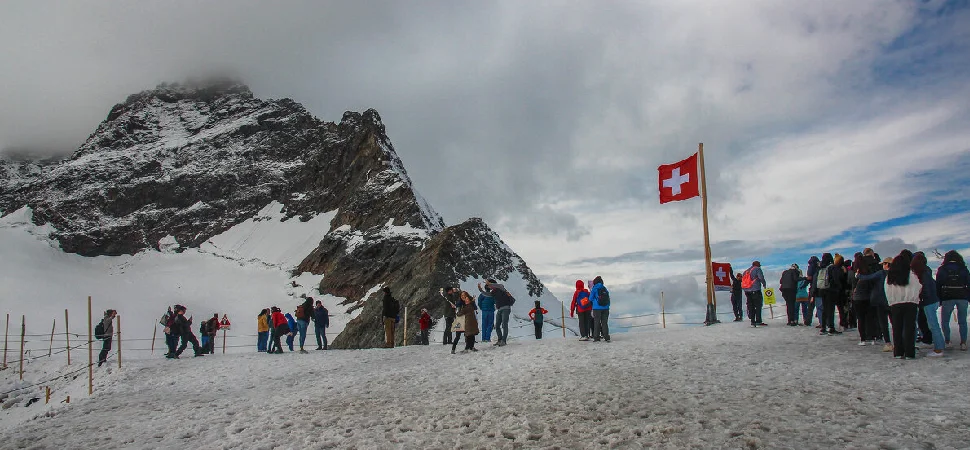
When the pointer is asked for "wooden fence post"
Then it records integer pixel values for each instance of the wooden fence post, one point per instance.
(51, 348)
(119, 341)
(23, 332)
(67, 337)
(563, 323)
(90, 352)
(6, 337)
(47, 395)
(663, 314)
(154, 334)
(405, 326)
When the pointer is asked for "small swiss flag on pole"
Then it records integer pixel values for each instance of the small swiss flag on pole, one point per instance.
(722, 276)
(679, 181)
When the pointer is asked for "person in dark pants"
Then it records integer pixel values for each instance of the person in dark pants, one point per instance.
(536, 315)
(321, 320)
(458, 326)
(789, 286)
(108, 323)
(736, 297)
(183, 328)
(425, 322)
(581, 305)
(902, 293)
(280, 327)
(832, 294)
(467, 312)
(599, 295)
(171, 339)
(752, 281)
(450, 295)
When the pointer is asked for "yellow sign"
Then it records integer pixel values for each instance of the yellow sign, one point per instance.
(769, 296)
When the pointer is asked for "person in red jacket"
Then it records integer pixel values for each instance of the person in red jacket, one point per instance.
(280, 327)
(536, 315)
(584, 307)
(425, 322)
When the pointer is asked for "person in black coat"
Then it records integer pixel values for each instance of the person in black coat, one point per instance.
(182, 327)
(736, 297)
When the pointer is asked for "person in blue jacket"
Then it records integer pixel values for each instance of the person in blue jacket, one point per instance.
(600, 296)
(487, 305)
(292, 323)
(321, 320)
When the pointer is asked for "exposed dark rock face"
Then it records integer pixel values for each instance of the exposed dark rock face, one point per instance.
(193, 161)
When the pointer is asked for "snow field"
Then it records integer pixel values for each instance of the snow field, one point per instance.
(725, 386)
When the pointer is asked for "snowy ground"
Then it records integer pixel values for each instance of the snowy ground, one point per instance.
(726, 386)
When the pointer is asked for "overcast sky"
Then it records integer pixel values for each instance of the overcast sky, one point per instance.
(828, 125)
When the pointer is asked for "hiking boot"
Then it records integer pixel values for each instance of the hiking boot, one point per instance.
(452, 352)
(834, 332)
(474, 349)
(887, 348)
(822, 332)
(963, 346)
(100, 363)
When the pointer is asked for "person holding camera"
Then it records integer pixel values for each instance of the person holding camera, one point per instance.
(450, 294)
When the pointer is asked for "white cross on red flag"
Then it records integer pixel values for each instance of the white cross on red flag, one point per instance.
(679, 181)
(722, 276)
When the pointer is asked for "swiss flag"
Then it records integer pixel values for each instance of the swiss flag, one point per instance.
(679, 181)
(722, 276)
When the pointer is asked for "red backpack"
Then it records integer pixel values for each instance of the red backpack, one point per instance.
(746, 281)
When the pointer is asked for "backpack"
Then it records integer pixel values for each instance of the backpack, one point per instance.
(953, 285)
(538, 316)
(823, 281)
(99, 330)
(204, 328)
(603, 297)
(584, 302)
(300, 313)
(746, 281)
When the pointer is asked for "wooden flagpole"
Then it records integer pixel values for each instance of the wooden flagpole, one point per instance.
(707, 234)
(67, 337)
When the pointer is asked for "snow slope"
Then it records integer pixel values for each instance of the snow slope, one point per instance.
(728, 386)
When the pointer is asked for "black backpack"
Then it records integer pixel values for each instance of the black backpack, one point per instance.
(953, 284)
(603, 297)
(99, 330)
(204, 328)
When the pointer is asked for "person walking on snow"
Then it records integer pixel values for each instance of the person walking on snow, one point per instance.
(183, 328)
(471, 322)
(584, 307)
(536, 315)
(321, 320)
(487, 305)
(390, 308)
(303, 313)
(752, 281)
(425, 322)
(789, 287)
(828, 285)
(599, 296)
(108, 324)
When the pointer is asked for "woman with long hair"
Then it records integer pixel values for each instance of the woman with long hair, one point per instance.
(929, 302)
(861, 294)
(953, 288)
(902, 294)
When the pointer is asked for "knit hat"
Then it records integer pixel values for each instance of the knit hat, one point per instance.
(756, 263)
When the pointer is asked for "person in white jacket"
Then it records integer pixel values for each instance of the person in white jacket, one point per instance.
(902, 294)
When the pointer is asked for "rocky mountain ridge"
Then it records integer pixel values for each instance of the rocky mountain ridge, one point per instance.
(180, 164)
